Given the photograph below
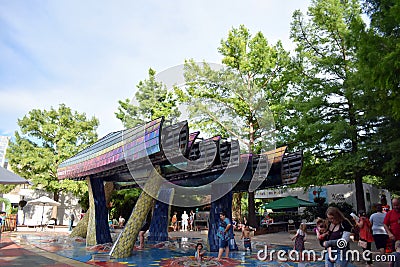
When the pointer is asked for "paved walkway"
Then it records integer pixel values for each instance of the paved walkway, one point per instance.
(15, 253)
(12, 254)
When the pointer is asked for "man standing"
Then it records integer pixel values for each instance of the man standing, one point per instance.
(392, 222)
(223, 235)
(185, 219)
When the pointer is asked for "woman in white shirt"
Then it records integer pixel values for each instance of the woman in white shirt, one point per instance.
(378, 230)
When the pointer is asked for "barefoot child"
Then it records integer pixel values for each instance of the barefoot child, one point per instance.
(199, 252)
(246, 237)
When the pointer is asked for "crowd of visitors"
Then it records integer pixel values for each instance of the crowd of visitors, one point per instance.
(381, 228)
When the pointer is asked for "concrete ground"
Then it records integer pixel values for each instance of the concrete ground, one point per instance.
(13, 253)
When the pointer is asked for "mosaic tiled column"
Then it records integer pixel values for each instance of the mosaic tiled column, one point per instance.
(126, 241)
(222, 204)
(80, 230)
(98, 231)
(159, 223)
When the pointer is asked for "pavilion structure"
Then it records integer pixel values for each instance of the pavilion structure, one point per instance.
(165, 159)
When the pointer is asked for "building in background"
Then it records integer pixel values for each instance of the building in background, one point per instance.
(4, 140)
(332, 193)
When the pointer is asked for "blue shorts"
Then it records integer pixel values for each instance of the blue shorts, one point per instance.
(222, 243)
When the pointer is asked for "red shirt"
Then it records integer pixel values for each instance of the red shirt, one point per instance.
(392, 220)
(365, 230)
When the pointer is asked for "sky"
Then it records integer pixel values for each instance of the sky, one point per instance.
(90, 54)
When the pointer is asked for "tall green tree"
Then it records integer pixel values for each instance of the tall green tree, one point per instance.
(153, 100)
(328, 117)
(238, 100)
(379, 61)
(46, 138)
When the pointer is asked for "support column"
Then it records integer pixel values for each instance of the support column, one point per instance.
(122, 248)
(98, 231)
(222, 204)
(158, 231)
(81, 228)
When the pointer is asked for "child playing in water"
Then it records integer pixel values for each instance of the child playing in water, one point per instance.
(246, 237)
(199, 252)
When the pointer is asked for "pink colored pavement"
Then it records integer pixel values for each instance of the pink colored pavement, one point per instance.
(12, 254)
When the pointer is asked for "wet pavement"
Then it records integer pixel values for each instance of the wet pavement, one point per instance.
(55, 248)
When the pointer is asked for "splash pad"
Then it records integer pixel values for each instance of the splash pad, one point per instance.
(177, 252)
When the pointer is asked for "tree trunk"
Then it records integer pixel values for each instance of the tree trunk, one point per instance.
(252, 210)
(359, 192)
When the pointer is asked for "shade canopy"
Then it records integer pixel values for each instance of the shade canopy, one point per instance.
(44, 201)
(288, 203)
(7, 177)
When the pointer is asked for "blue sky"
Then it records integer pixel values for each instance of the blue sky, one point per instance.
(90, 54)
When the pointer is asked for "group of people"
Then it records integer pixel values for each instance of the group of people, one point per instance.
(239, 225)
(187, 221)
(224, 235)
(381, 227)
(114, 223)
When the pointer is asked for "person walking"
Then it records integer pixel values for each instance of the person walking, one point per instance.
(365, 233)
(339, 229)
(378, 229)
(392, 222)
(246, 237)
(223, 235)
(144, 229)
(300, 237)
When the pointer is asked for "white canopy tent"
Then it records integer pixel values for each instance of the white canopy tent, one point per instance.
(43, 201)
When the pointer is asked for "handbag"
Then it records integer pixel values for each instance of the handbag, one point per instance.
(362, 243)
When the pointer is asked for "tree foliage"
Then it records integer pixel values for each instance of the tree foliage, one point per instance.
(153, 100)
(6, 188)
(46, 138)
(242, 99)
(379, 57)
(328, 117)
(123, 202)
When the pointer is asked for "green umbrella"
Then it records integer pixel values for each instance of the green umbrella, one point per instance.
(288, 203)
